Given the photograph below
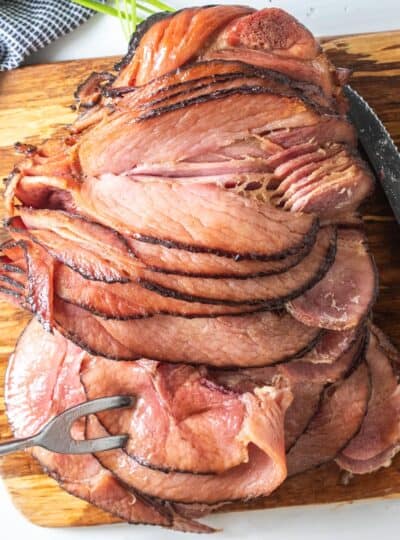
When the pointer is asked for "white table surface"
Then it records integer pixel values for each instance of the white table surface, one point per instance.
(102, 36)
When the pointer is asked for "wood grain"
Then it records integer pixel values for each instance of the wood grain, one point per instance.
(34, 101)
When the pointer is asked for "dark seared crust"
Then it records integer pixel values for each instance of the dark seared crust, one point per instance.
(307, 92)
(309, 239)
(9, 224)
(224, 93)
(141, 30)
(297, 257)
(95, 84)
(105, 316)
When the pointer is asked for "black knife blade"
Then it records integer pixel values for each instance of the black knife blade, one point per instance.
(377, 143)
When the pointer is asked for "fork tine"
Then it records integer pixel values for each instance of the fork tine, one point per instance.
(91, 446)
(96, 405)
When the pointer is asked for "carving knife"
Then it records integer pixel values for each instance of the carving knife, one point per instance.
(382, 153)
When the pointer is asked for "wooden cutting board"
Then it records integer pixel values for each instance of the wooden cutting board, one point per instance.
(34, 101)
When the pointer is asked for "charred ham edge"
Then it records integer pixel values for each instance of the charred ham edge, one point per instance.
(34, 286)
(194, 340)
(120, 301)
(39, 352)
(174, 40)
(260, 291)
(180, 95)
(296, 231)
(339, 417)
(269, 292)
(345, 296)
(306, 380)
(183, 421)
(89, 92)
(378, 440)
(181, 262)
(299, 340)
(201, 73)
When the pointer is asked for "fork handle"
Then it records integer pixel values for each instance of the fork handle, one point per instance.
(17, 444)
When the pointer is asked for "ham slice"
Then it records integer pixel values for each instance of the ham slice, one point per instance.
(230, 225)
(233, 115)
(346, 294)
(307, 380)
(255, 340)
(33, 399)
(378, 440)
(183, 420)
(336, 421)
(270, 292)
(62, 360)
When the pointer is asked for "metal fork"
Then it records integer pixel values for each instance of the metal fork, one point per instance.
(56, 434)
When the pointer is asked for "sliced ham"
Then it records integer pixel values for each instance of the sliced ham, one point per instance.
(233, 116)
(33, 399)
(346, 294)
(270, 292)
(378, 440)
(256, 340)
(259, 231)
(229, 224)
(306, 380)
(337, 420)
(183, 420)
(173, 41)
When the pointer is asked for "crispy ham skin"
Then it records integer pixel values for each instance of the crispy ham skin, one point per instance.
(39, 353)
(344, 298)
(378, 440)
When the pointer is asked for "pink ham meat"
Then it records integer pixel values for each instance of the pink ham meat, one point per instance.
(230, 225)
(346, 294)
(306, 380)
(43, 350)
(33, 399)
(233, 116)
(258, 339)
(183, 420)
(378, 440)
(337, 420)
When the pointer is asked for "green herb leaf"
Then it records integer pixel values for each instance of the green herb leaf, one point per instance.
(126, 11)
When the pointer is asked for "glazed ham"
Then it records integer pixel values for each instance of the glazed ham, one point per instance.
(194, 240)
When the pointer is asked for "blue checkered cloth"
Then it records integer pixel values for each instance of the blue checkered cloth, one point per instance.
(29, 25)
